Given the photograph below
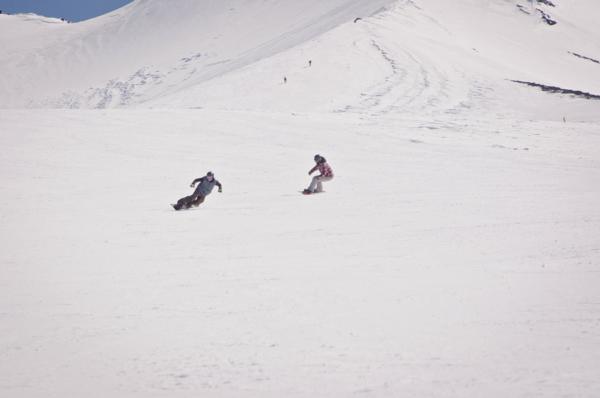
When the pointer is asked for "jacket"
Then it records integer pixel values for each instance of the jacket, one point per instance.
(323, 168)
(205, 187)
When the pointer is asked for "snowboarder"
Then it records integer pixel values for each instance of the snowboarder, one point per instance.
(284, 80)
(204, 188)
(316, 185)
(309, 63)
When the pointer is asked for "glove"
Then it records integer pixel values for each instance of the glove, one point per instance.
(220, 190)
(192, 185)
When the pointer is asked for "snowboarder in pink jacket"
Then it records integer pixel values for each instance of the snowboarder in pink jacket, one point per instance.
(316, 184)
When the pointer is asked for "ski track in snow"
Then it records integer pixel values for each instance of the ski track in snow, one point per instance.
(414, 85)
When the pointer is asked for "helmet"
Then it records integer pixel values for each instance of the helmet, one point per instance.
(210, 174)
(317, 157)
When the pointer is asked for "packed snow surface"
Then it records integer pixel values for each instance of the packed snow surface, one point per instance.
(456, 253)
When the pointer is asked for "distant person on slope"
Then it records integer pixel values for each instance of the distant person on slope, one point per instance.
(316, 185)
(204, 188)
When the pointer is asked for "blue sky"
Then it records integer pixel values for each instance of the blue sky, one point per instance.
(73, 10)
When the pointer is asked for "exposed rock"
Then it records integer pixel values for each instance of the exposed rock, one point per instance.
(558, 90)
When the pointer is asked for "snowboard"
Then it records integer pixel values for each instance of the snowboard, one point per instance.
(305, 192)
(183, 208)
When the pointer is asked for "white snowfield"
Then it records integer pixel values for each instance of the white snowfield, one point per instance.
(410, 56)
(456, 253)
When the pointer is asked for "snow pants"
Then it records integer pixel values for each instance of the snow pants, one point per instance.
(317, 183)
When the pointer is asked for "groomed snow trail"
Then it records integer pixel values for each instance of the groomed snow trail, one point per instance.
(442, 261)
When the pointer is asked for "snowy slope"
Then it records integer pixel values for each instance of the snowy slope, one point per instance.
(426, 56)
(444, 260)
(455, 254)
(160, 46)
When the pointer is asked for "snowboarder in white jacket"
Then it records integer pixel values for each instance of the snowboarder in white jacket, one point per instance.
(204, 188)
